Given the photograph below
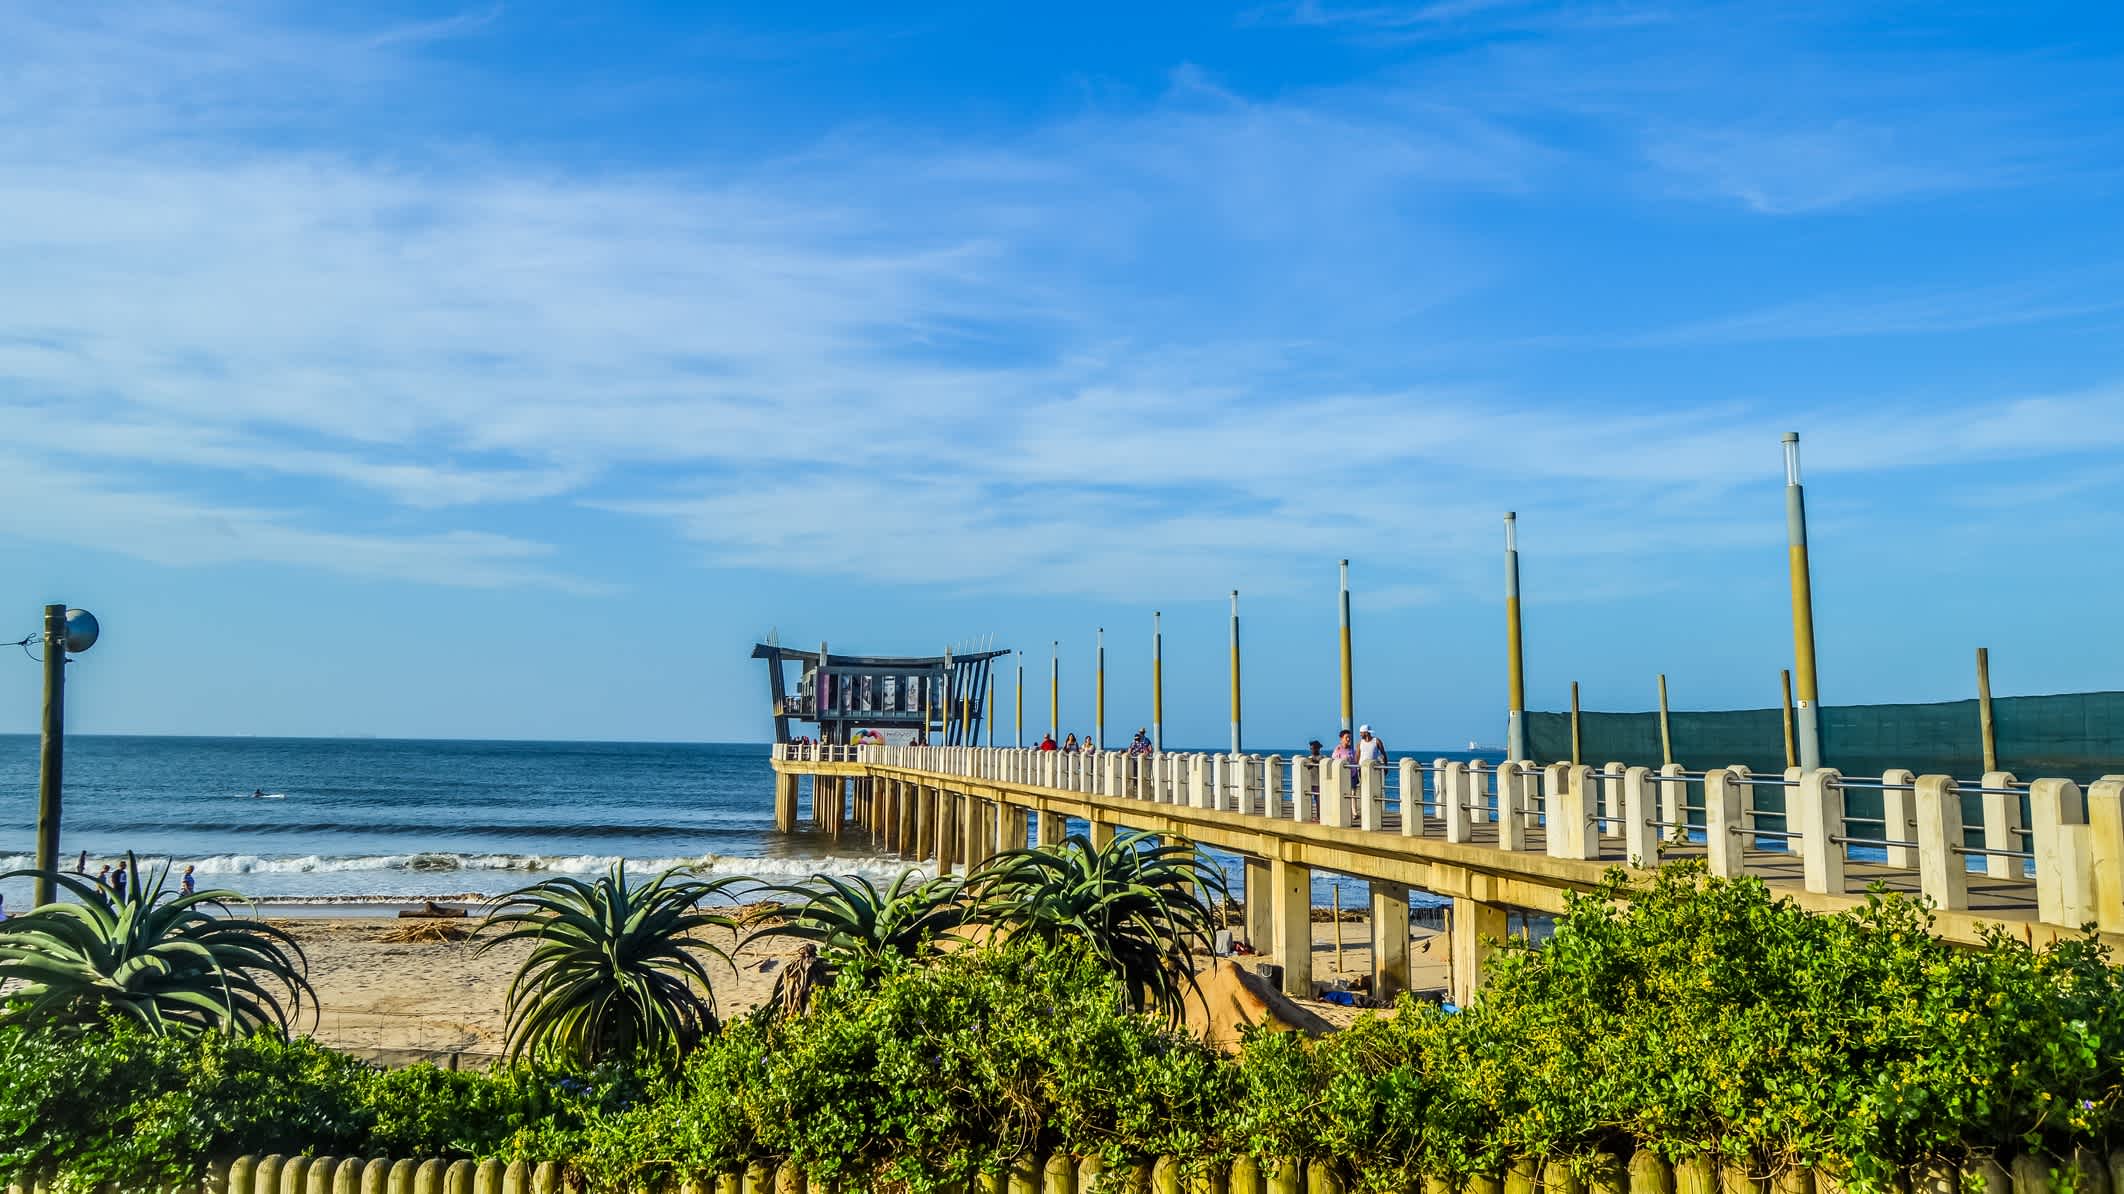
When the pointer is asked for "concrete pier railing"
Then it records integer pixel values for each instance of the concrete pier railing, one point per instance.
(1639, 1173)
(2042, 855)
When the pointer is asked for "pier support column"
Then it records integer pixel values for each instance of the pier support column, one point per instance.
(1390, 940)
(785, 801)
(971, 816)
(1102, 834)
(1054, 827)
(1260, 904)
(1476, 925)
(918, 815)
(887, 825)
(1015, 822)
(947, 828)
(1291, 892)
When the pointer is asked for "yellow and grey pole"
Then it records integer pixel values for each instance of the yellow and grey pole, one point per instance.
(1666, 736)
(51, 753)
(1810, 733)
(1099, 700)
(1021, 700)
(988, 710)
(1054, 692)
(1515, 659)
(1157, 683)
(1235, 672)
(1349, 702)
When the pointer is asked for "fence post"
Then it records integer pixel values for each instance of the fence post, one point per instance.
(1673, 799)
(1511, 805)
(1722, 823)
(2063, 853)
(1301, 786)
(1943, 875)
(1640, 836)
(2105, 824)
(1478, 792)
(1611, 802)
(1272, 787)
(1570, 834)
(1334, 793)
(1899, 812)
(2002, 818)
(1453, 799)
(1411, 798)
(1821, 807)
(1371, 794)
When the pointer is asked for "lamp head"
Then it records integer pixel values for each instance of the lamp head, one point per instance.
(81, 631)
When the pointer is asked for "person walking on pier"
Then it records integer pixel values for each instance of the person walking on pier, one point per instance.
(1369, 748)
(1047, 742)
(1141, 743)
(1069, 745)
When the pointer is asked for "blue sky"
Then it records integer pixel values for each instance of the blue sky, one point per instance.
(507, 370)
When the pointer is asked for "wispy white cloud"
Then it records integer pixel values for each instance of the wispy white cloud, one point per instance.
(1111, 354)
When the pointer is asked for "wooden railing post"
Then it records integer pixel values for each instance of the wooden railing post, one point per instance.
(1943, 871)
(1411, 798)
(1723, 843)
(1640, 835)
(2064, 853)
(1819, 804)
(1453, 802)
(1511, 805)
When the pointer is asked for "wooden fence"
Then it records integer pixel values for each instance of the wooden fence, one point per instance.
(1643, 1173)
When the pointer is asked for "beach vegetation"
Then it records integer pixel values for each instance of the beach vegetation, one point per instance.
(1696, 1019)
(170, 962)
(857, 929)
(921, 1076)
(1143, 908)
(617, 969)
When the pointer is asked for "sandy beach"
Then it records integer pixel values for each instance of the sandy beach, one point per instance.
(399, 1001)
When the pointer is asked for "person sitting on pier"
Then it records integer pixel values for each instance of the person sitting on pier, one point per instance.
(1069, 745)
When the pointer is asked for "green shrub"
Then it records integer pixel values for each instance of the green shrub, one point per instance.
(516, 1112)
(123, 1104)
(1707, 1017)
(931, 1074)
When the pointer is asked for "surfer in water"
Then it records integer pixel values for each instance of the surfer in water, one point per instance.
(258, 793)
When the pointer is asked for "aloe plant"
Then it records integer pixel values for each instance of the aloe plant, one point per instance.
(1143, 908)
(177, 964)
(615, 970)
(856, 928)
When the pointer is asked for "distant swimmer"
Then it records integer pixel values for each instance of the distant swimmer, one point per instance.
(258, 793)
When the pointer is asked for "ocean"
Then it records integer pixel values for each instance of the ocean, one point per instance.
(363, 824)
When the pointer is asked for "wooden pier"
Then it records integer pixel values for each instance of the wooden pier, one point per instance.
(1494, 838)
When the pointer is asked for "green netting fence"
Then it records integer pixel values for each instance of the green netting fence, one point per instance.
(2076, 735)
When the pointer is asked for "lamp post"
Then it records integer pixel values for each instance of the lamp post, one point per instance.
(1349, 724)
(1099, 701)
(1810, 734)
(65, 631)
(1235, 673)
(1157, 683)
(1515, 660)
(1054, 691)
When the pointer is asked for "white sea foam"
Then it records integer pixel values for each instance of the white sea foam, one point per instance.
(570, 864)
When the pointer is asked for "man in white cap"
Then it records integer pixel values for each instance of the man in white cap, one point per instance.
(1369, 749)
